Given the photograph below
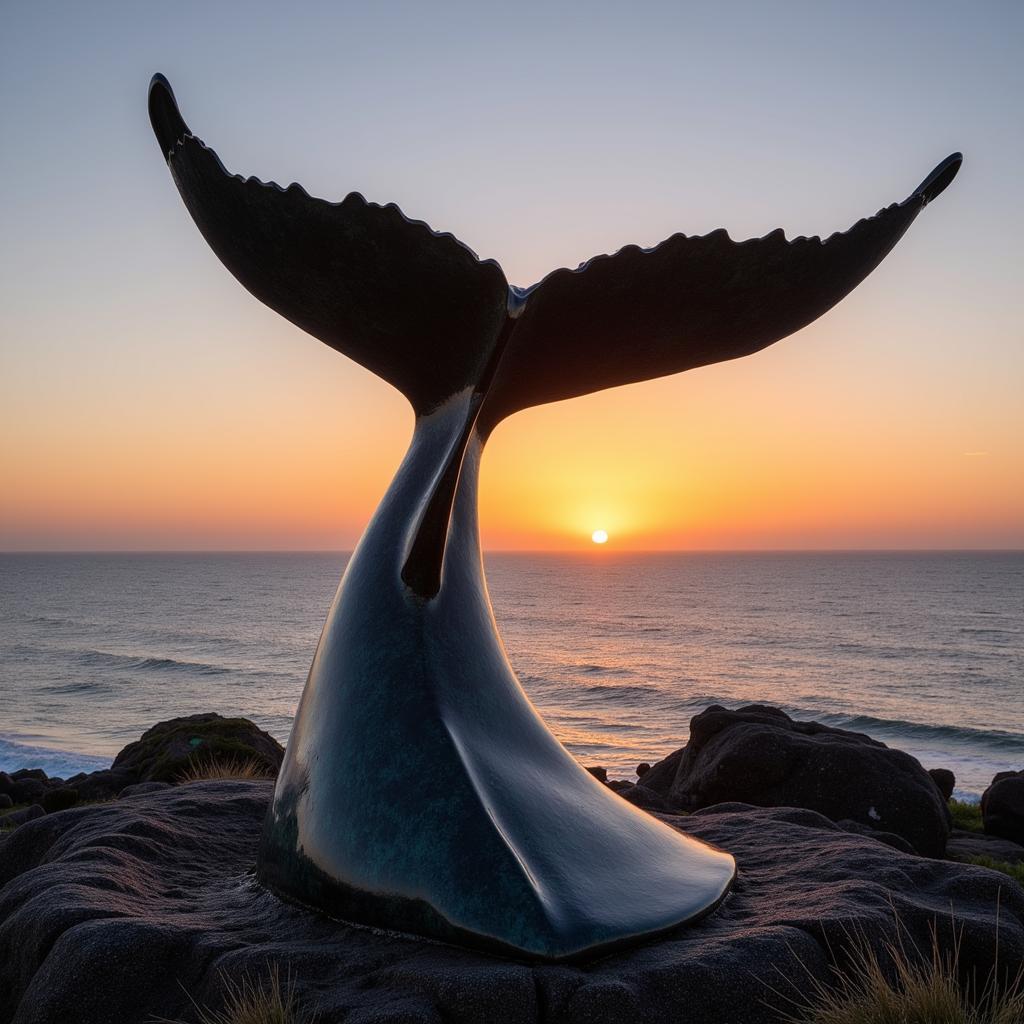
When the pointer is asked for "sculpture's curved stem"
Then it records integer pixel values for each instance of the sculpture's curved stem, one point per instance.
(421, 790)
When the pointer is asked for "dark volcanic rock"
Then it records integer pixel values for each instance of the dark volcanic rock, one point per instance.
(643, 797)
(759, 755)
(141, 788)
(5, 801)
(59, 799)
(963, 844)
(27, 790)
(113, 912)
(1002, 806)
(167, 750)
(889, 838)
(104, 784)
(16, 818)
(29, 773)
(945, 780)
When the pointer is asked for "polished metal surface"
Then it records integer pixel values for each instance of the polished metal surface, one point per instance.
(420, 790)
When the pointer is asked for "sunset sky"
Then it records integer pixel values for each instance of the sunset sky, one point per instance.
(148, 402)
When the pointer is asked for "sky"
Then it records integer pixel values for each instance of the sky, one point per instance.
(147, 401)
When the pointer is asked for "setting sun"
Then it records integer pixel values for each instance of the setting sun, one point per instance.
(599, 536)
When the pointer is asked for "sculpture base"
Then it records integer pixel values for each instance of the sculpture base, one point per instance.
(565, 879)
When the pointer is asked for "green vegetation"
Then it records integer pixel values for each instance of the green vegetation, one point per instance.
(249, 1002)
(1015, 871)
(897, 986)
(205, 769)
(966, 816)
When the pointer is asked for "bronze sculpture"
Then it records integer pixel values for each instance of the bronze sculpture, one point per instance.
(420, 790)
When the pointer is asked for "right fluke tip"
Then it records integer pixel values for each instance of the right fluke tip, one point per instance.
(939, 179)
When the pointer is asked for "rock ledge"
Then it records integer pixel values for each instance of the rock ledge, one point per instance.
(110, 913)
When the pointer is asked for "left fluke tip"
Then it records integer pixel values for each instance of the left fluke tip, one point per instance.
(168, 124)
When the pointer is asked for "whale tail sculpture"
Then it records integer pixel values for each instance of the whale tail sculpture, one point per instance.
(420, 790)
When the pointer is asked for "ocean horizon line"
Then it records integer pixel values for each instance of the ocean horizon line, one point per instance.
(603, 551)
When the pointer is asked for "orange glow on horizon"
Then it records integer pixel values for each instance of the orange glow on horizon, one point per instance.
(269, 440)
(735, 456)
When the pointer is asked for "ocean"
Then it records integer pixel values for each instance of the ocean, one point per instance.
(924, 651)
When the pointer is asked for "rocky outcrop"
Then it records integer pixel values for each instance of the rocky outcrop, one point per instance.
(104, 784)
(114, 912)
(1002, 806)
(157, 759)
(640, 795)
(59, 798)
(19, 817)
(759, 755)
(945, 780)
(27, 785)
(167, 750)
(964, 845)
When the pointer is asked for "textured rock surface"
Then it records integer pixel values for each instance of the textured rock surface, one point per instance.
(106, 912)
(141, 788)
(104, 784)
(16, 818)
(162, 753)
(1002, 806)
(963, 844)
(759, 755)
(640, 795)
(889, 838)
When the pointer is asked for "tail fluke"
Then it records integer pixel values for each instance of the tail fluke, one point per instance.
(690, 301)
(414, 306)
(420, 310)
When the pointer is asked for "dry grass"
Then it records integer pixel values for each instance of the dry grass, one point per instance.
(250, 1002)
(208, 769)
(901, 985)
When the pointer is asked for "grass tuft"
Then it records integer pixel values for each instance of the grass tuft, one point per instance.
(250, 1002)
(207, 769)
(966, 816)
(901, 986)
